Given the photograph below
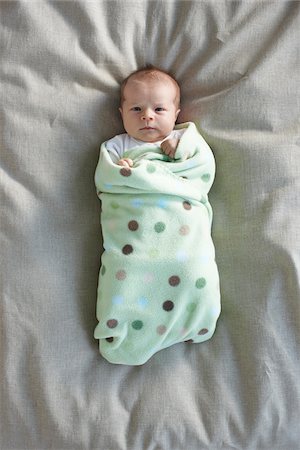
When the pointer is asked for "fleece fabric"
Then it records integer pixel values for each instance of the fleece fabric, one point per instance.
(158, 282)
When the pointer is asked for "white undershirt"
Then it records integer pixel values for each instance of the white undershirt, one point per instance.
(117, 145)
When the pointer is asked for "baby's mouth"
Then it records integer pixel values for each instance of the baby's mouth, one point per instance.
(147, 128)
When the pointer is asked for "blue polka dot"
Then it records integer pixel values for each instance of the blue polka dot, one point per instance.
(181, 256)
(108, 185)
(162, 203)
(118, 300)
(137, 202)
(215, 312)
(143, 302)
(204, 259)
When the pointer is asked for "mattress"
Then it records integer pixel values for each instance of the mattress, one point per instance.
(61, 67)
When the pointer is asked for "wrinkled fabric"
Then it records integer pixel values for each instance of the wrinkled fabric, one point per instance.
(61, 66)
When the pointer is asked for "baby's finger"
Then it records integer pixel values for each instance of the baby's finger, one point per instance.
(123, 162)
(167, 150)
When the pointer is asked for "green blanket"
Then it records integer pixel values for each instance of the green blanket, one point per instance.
(158, 282)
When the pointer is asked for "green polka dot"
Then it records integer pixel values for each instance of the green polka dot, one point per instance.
(137, 324)
(205, 177)
(159, 227)
(153, 253)
(200, 283)
(103, 270)
(151, 168)
(114, 205)
(191, 307)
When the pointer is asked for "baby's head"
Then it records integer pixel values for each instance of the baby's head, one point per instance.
(150, 100)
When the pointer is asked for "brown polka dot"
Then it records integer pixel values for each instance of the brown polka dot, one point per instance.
(161, 329)
(125, 172)
(187, 205)
(133, 225)
(203, 331)
(121, 275)
(174, 280)
(184, 230)
(109, 339)
(168, 305)
(112, 323)
(127, 249)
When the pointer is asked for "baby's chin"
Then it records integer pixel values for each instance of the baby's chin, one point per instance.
(149, 135)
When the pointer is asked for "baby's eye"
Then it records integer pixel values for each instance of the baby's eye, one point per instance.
(159, 109)
(136, 108)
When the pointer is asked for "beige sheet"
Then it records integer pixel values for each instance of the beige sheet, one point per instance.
(61, 64)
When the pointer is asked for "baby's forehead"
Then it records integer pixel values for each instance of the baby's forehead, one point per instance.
(162, 85)
(148, 80)
(159, 83)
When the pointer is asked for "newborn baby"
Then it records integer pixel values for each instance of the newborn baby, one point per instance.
(158, 282)
(149, 107)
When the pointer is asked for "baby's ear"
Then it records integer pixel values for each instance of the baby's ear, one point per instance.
(121, 111)
(177, 113)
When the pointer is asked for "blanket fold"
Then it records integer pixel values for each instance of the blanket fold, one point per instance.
(158, 283)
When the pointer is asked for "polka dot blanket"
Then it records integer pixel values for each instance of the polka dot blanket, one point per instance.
(158, 282)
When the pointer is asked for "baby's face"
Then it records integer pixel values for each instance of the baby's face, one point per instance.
(149, 111)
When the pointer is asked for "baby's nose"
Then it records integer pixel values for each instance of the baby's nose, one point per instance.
(147, 115)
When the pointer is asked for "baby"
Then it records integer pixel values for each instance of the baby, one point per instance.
(158, 282)
(150, 100)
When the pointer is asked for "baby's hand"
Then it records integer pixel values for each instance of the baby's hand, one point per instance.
(169, 147)
(125, 162)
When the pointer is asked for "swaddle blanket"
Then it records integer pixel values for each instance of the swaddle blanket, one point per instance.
(158, 282)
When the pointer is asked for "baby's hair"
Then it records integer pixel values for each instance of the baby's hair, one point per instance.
(154, 73)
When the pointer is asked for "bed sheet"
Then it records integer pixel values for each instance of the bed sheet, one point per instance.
(61, 64)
